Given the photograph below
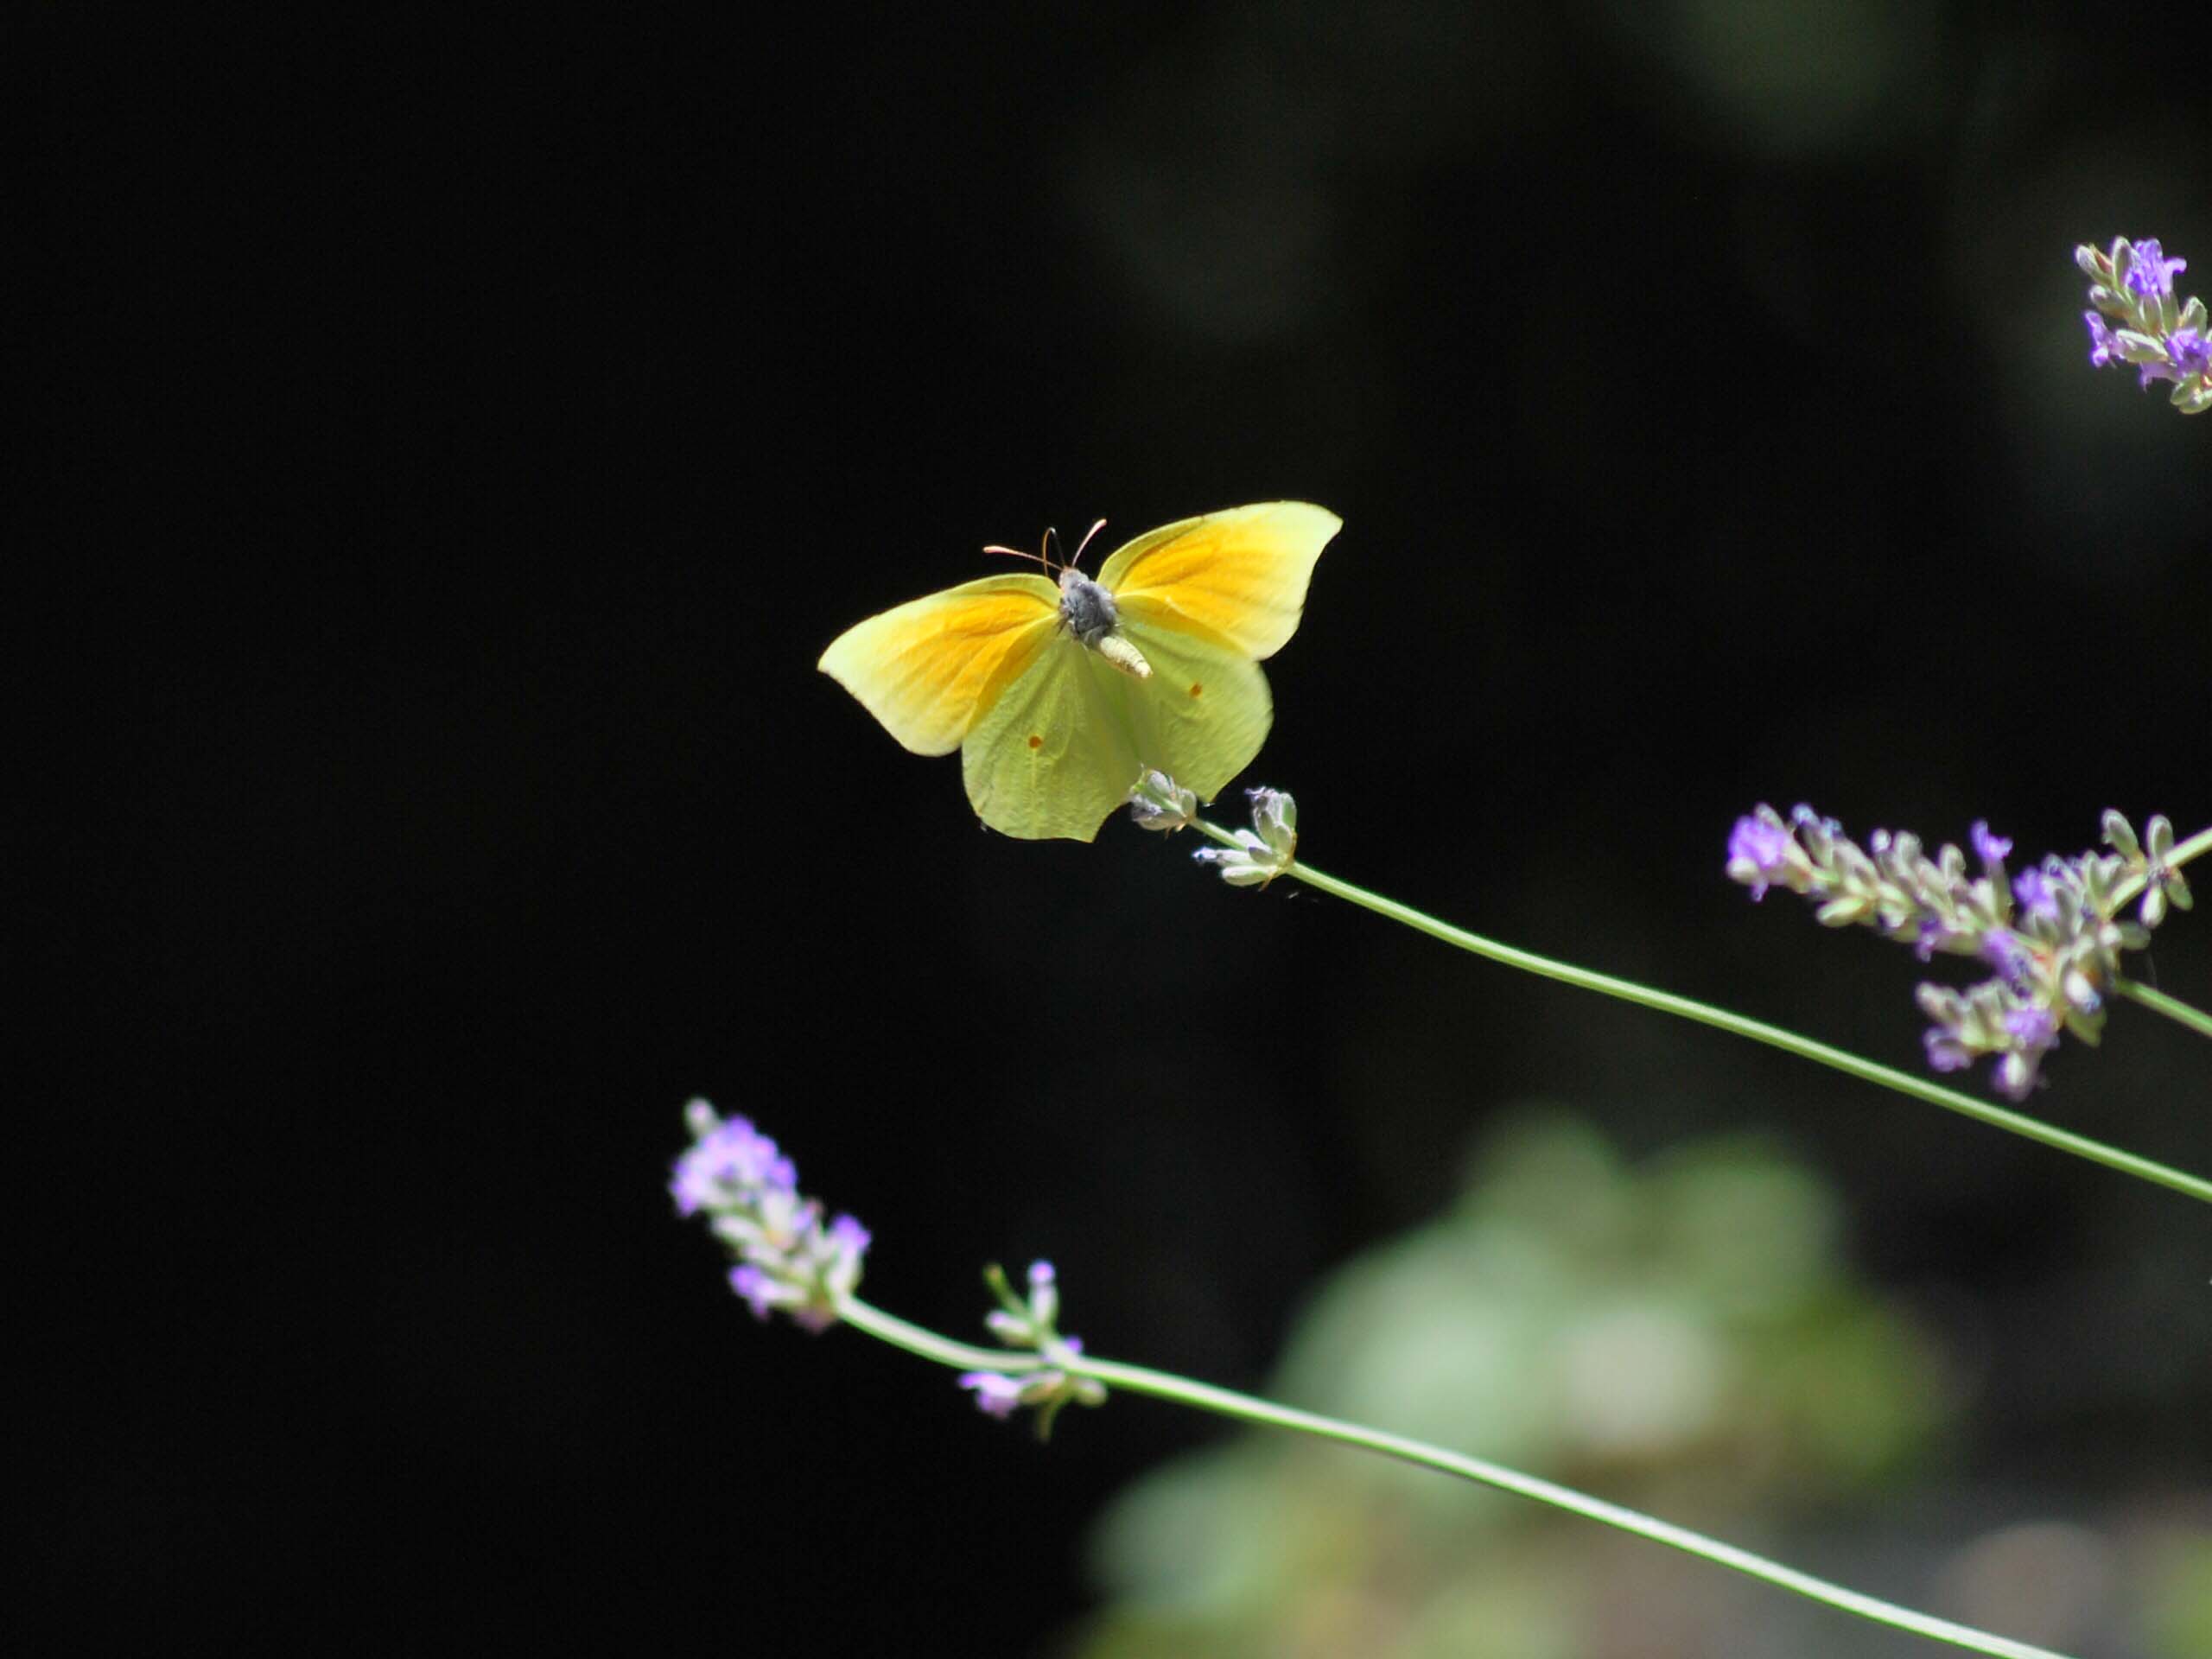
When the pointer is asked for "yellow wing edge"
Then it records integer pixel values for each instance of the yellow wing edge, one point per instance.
(926, 670)
(1239, 575)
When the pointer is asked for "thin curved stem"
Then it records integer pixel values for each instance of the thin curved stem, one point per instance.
(927, 1344)
(2159, 1003)
(1758, 1031)
(1244, 1407)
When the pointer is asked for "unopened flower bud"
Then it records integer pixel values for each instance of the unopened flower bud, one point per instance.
(1157, 802)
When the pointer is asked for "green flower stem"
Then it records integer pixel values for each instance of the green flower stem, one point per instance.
(927, 1344)
(2129, 886)
(1905, 1083)
(2196, 1018)
(1244, 1407)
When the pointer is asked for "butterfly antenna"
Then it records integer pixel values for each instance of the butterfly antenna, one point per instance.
(1020, 553)
(1087, 535)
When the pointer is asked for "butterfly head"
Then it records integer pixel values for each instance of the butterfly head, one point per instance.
(1087, 607)
(1088, 611)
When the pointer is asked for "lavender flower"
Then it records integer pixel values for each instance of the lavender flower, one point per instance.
(995, 1395)
(1031, 1322)
(2049, 933)
(2151, 274)
(2189, 352)
(788, 1261)
(2165, 340)
(728, 1161)
(2163, 885)
(1159, 803)
(1759, 854)
(1264, 851)
(2104, 344)
(2035, 894)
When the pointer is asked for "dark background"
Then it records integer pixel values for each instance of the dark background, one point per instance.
(465, 441)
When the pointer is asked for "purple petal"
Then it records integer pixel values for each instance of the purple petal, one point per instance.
(2032, 1028)
(994, 1394)
(2002, 950)
(1945, 1051)
(1762, 849)
(2032, 889)
(2151, 273)
(756, 1286)
(2103, 348)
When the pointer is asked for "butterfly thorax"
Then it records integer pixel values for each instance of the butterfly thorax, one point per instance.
(1088, 611)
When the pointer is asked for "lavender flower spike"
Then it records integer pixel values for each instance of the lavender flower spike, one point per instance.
(2049, 934)
(2164, 339)
(788, 1261)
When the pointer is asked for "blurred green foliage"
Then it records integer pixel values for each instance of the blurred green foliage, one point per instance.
(1685, 1336)
(2177, 1592)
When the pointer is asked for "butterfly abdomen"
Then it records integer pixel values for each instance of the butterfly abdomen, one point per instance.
(1124, 656)
(1089, 612)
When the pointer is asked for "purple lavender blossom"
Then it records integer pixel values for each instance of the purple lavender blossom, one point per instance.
(995, 1394)
(2033, 890)
(2033, 1033)
(2151, 274)
(1031, 1322)
(1761, 848)
(756, 1286)
(1047, 1390)
(2050, 935)
(787, 1259)
(2137, 319)
(1945, 1051)
(2104, 347)
(2002, 950)
(730, 1158)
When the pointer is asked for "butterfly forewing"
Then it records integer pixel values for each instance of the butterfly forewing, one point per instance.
(928, 668)
(1240, 576)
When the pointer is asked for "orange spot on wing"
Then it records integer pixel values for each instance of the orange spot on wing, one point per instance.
(1196, 688)
(1036, 741)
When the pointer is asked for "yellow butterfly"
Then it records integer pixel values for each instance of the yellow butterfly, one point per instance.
(1060, 697)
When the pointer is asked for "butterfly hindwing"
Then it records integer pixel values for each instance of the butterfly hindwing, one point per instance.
(1205, 710)
(928, 668)
(1055, 754)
